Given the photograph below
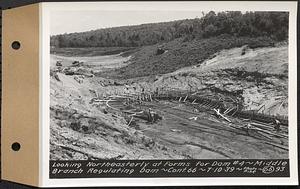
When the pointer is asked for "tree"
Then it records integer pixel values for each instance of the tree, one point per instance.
(235, 23)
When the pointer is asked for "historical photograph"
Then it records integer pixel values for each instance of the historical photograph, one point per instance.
(158, 85)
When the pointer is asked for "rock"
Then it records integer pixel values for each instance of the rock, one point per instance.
(79, 79)
(68, 71)
(58, 63)
(116, 134)
(86, 127)
(128, 140)
(63, 123)
(160, 51)
(56, 77)
(75, 126)
(77, 63)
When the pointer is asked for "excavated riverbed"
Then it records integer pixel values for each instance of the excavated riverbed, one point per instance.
(84, 125)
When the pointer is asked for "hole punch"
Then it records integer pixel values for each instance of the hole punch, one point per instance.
(16, 45)
(16, 146)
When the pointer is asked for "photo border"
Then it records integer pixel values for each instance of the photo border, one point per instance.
(44, 104)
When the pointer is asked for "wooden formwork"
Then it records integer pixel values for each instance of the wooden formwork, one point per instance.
(262, 117)
(231, 108)
(226, 105)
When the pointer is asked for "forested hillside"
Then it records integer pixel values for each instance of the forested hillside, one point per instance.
(235, 23)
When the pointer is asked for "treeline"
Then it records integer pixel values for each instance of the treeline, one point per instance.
(236, 23)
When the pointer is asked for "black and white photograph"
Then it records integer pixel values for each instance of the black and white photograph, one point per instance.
(150, 94)
(135, 85)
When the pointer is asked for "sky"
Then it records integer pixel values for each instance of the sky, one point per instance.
(79, 21)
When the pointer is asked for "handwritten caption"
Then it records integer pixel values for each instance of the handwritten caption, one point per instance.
(169, 168)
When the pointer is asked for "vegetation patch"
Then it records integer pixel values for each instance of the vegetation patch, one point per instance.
(179, 54)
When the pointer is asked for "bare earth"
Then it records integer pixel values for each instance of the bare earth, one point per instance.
(84, 129)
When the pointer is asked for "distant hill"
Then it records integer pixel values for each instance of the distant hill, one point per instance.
(235, 23)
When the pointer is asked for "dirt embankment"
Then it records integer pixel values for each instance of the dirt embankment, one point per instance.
(259, 77)
(82, 130)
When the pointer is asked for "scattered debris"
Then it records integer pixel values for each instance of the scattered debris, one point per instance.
(176, 130)
(130, 121)
(194, 118)
(219, 114)
(277, 125)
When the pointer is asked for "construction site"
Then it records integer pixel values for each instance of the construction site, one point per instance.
(232, 105)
